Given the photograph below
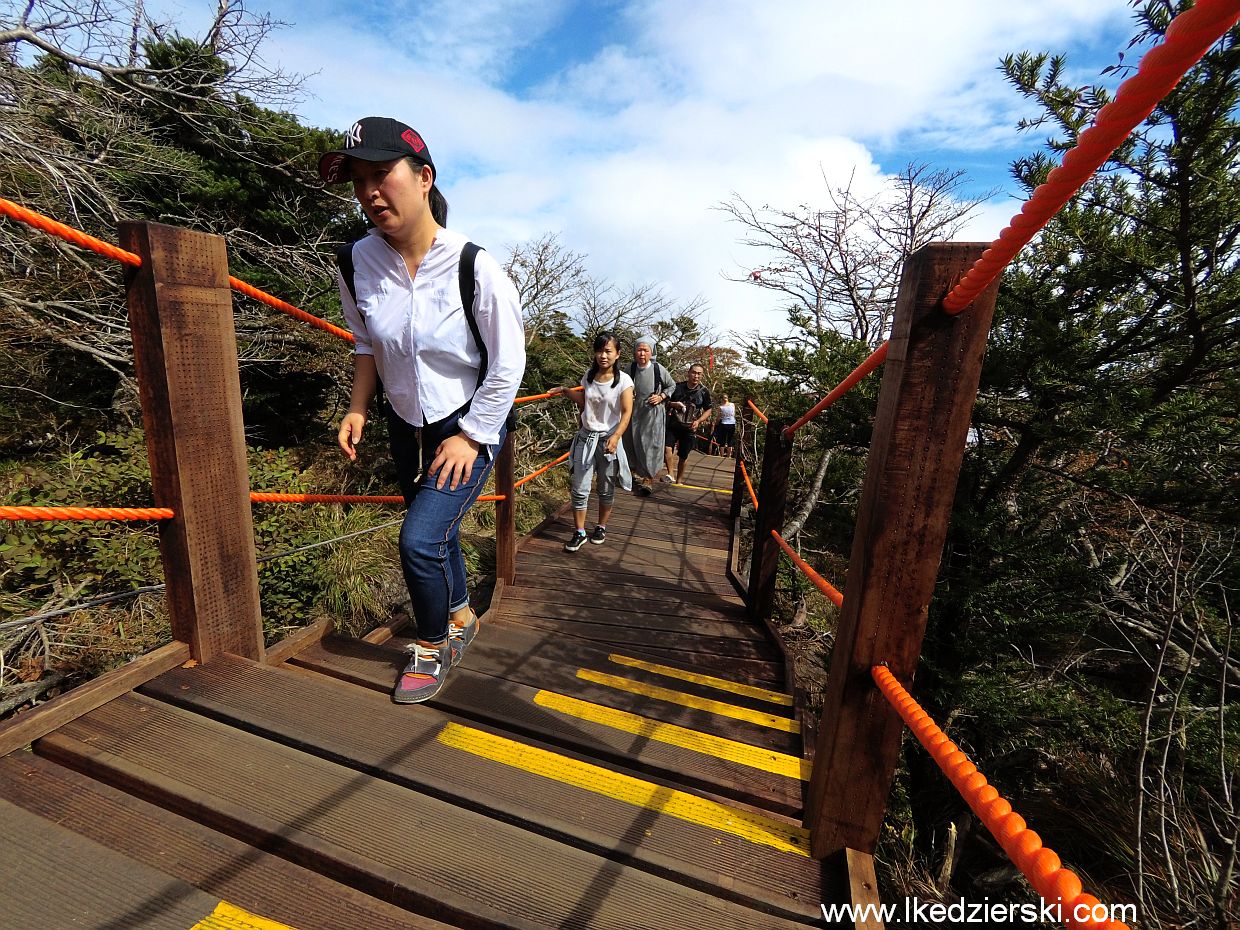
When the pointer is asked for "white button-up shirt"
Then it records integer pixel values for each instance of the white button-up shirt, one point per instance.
(415, 328)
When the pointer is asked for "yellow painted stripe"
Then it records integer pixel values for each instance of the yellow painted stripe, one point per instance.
(720, 684)
(730, 750)
(227, 917)
(755, 828)
(698, 487)
(761, 718)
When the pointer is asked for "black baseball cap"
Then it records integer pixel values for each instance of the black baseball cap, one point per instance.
(375, 138)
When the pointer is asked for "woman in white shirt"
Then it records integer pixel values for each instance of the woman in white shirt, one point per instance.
(450, 386)
(606, 404)
(725, 429)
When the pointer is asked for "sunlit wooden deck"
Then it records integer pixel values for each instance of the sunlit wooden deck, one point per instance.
(617, 750)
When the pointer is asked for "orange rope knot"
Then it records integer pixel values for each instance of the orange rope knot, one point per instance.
(1056, 885)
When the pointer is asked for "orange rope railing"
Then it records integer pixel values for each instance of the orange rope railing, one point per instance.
(877, 357)
(1188, 38)
(749, 484)
(77, 237)
(526, 400)
(819, 582)
(545, 468)
(268, 497)
(86, 513)
(106, 249)
(1040, 865)
(68, 233)
(272, 497)
(754, 408)
(319, 323)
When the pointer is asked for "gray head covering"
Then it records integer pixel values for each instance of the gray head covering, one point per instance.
(645, 339)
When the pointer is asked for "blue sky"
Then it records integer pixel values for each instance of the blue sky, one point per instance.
(620, 124)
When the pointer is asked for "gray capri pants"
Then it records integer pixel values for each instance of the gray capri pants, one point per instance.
(588, 458)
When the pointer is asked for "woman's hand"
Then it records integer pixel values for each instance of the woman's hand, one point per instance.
(454, 461)
(612, 441)
(350, 434)
(652, 402)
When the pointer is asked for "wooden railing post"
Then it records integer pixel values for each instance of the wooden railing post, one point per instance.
(506, 512)
(772, 501)
(185, 356)
(929, 386)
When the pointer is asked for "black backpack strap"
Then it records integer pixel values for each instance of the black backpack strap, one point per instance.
(469, 285)
(344, 260)
(468, 291)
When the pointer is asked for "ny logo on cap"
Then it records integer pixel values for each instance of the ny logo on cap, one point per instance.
(354, 136)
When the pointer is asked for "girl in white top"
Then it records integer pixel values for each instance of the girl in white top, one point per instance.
(606, 404)
(450, 386)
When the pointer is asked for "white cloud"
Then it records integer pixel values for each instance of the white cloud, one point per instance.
(626, 155)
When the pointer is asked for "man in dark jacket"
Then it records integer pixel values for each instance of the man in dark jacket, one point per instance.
(687, 409)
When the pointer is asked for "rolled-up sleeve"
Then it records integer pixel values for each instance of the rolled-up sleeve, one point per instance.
(354, 320)
(497, 310)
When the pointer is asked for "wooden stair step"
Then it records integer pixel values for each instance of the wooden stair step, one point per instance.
(719, 652)
(509, 704)
(528, 656)
(50, 877)
(219, 865)
(566, 797)
(604, 578)
(632, 597)
(633, 614)
(400, 845)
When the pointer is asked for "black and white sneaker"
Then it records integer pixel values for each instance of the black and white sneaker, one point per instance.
(576, 541)
(599, 536)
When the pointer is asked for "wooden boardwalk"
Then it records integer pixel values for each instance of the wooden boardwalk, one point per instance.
(616, 751)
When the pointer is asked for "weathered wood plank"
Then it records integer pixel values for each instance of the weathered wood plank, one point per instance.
(212, 862)
(24, 729)
(412, 850)
(929, 383)
(541, 570)
(314, 714)
(630, 597)
(546, 660)
(717, 647)
(51, 877)
(185, 356)
(505, 703)
(656, 624)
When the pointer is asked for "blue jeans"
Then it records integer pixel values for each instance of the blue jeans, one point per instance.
(430, 542)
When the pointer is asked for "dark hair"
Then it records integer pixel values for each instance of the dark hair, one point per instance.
(600, 342)
(439, 206)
